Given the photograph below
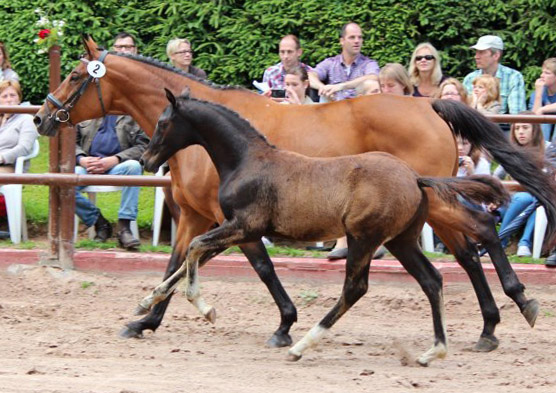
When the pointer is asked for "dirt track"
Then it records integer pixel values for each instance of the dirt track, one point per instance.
(58, 333)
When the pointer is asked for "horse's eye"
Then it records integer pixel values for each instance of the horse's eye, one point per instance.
(74, 77)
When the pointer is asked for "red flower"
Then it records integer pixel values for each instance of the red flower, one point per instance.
(44, 33)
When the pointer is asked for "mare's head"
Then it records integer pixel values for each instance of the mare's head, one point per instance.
(173, 132)
(78, 98)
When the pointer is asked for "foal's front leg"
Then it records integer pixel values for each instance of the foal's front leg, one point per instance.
(201, 249)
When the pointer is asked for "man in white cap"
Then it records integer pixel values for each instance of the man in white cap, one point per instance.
(488, 53)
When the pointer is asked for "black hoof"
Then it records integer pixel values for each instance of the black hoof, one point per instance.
(130, 332)
(486, 344)
(531, 311)
(140, 310)
(279, 341)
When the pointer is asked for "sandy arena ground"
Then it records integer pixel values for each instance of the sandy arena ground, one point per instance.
(59, 333)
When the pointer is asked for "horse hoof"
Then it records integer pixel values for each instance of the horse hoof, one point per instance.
(128, 332)
(531, 311)
(211, 315)
(140, 310)
(422, 362)
(293, 357)
(279, 341)
(486, 344)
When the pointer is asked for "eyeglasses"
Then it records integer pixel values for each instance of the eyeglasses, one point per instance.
(124, 46)
(426, 57)
(184, 52)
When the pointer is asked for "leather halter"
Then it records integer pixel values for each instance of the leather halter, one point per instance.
(61, 115)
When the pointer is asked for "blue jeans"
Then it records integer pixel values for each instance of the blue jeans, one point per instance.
(520, 201)
(88, 213)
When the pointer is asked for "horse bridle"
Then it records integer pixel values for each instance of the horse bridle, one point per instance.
(61, 115)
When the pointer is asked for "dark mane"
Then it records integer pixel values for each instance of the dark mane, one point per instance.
(239, 121)
(168, 67)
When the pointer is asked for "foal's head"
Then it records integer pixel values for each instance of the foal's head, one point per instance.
(173, 132)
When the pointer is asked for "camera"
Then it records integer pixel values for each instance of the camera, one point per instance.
(278, 93)
(460, 162)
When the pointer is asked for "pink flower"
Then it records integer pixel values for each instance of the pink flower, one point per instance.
(44, 33)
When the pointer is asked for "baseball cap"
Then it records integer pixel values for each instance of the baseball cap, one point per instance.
(489, 42)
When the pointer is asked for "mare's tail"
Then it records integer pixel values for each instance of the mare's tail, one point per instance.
(478, 188)
(481, 132)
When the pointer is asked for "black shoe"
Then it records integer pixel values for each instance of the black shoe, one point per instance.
(339, 253)
(103, 229)
(550, 261)
(126, 239)
(380, 252)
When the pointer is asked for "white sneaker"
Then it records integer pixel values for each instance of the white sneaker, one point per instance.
(523, 251)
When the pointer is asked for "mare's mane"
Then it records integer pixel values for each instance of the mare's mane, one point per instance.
(241, 124)
(167, 67)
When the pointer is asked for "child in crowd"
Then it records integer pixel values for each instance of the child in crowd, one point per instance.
(394, 80)
(369, 87)
(486, 94)
(452, 89)
(543, 99)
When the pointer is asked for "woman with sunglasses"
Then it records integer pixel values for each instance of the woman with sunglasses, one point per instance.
(181, 56)
(424, 70)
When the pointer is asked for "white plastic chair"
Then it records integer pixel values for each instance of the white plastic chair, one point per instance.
(158, 210)
(540, 230)
(427, 238)
(92, 192)
(17, 221)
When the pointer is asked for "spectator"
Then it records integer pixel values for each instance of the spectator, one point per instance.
(425, 71)
(125, 43)
(6, 72)
(488, 54)
(452, 89)
(528, 137)
(111, 145)
(486, 94)
(394, 80)
(369, 87)
(181, 56)
(290, 52)
(543, 99)
(17, 130)
(471, 160)
(297, 84)
(337, 77)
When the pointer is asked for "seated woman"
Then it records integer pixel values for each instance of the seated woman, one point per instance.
(181, 56)
(486, 94)
(17, 130)
(528, 137)
(394, 80)
(296, 82)
(425, 71)
(6, 72)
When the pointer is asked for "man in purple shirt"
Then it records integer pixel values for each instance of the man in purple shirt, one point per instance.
(336, 77)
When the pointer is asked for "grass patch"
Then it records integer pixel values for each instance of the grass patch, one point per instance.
(308, 296)
(87, 284)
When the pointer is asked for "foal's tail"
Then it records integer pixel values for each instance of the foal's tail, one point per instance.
(477, 188)
(481, 132)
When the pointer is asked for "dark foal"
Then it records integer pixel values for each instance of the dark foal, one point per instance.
(372, 198)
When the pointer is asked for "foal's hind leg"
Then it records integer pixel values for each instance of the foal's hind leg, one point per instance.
(355, 286)
(407, 251)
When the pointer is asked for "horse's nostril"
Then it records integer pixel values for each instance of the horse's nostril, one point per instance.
(37, 120)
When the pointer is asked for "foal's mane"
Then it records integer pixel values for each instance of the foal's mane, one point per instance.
(167, 67)
(239, 122)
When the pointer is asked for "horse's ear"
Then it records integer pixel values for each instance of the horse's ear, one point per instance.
(90, 45)
(186, 93)
(171, 98)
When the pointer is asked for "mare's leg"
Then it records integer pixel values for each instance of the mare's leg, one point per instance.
(468, 258)
(190, 225)
(406, 249)
(259, 259)
(356, 284)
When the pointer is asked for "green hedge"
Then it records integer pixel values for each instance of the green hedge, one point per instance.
(236, 40)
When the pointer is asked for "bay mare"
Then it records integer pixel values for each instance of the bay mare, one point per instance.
(414, 130)
(371, 198)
